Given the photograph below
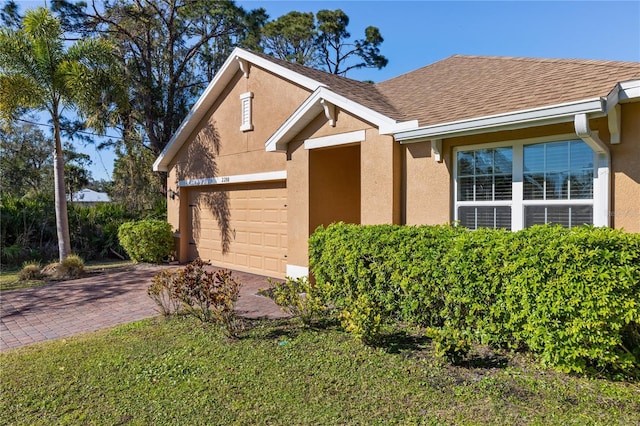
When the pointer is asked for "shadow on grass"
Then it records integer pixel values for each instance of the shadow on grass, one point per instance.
(401, 342)
(419, 346)
(269, 329)
(483, 361)
(284, 328)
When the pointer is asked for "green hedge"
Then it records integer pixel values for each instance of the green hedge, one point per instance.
(570, 296)
(147, 240)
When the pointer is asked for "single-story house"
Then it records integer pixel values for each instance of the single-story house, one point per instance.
(271, 150)
(89, 197)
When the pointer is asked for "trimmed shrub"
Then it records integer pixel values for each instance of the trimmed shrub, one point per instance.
(30, 271)
(573, 296)
(570, 296)
(71, 266)
(376, 274)
(146, 240)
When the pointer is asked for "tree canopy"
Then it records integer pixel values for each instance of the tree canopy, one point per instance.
(163, 53)
(323, 42)
(292, 37)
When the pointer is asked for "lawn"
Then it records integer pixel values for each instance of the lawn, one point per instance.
(9, 276)
(180, 372)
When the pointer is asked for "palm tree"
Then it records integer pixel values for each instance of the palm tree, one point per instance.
(41, 72)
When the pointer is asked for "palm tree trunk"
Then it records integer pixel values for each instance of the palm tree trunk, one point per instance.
(62, 219)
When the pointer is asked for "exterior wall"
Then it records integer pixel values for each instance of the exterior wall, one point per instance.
(428, 189)
(426, 186)
(312, 175)
(380, 167)
(219, 148)
(625, 172)
(173, 204)
(334, 185)
(298, 203)
(381, 179)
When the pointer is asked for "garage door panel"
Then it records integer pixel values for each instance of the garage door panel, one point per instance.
(271, 240)
(256, 222)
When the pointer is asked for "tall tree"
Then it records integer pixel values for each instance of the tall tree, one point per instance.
(168, 50)
(292, 37)
(36, 71)
(134, 182)
(10, 16)
(336, 50)
(323, 42)
(161, 44)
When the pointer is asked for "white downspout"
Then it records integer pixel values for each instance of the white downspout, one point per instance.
(602, 165)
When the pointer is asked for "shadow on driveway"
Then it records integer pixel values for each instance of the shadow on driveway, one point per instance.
(102, 300)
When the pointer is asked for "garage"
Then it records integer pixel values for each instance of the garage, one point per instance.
(241, 227)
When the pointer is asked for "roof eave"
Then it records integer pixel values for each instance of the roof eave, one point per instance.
(312, 106)
(553, 114)
(624, 91)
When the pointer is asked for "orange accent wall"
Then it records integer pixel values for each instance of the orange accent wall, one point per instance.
(334, 186)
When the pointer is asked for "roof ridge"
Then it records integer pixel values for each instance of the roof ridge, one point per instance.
(578, 61)
(581, 62)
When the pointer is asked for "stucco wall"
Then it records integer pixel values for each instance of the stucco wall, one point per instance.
(376, 181)
(219, 148)
(625, 172)
(426, 186)
(380, 161)
(298, 203)
(334, 185)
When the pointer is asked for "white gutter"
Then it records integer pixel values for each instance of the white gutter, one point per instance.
(623, 91)
(561, 113)
(602, 181)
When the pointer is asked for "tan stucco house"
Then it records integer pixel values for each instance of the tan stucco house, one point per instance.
(272, 149)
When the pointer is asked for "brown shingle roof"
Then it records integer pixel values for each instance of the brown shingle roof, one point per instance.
(365, 94)
(463, 87)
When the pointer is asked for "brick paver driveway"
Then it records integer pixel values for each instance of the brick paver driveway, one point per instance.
(91, 303)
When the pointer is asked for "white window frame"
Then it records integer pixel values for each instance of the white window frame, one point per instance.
(517, 202)
(246, 101)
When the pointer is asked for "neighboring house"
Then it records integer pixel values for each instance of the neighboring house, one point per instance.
(272, 150)
(89, 197)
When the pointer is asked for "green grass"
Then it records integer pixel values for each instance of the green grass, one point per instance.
(180, 372)
(9, 276)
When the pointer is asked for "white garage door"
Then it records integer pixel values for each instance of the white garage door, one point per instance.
(242, 227)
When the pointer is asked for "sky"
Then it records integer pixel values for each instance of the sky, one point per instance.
(419, 33)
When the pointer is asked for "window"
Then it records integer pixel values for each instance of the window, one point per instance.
(484, 187)
(245, 102)
(560, 171)
(517, 185)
